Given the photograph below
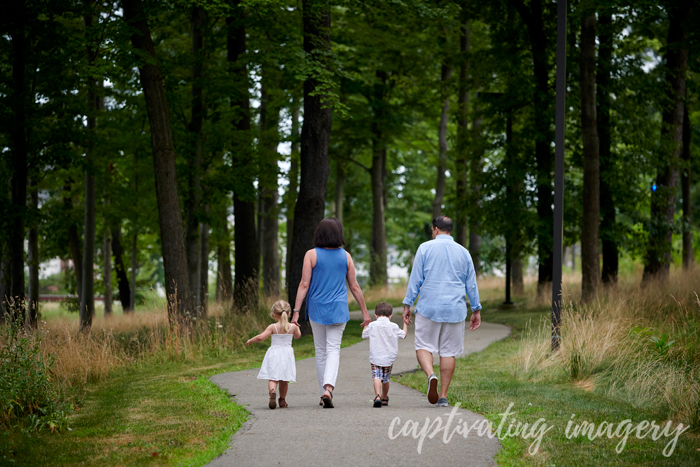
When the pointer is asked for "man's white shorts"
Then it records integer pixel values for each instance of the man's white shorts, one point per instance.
(446, 339)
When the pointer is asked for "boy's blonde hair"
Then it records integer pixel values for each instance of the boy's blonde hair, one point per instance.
(282, 309)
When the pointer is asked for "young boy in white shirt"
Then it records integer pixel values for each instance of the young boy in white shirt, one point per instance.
(383, 348)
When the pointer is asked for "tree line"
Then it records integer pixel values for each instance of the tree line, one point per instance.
(133, 129)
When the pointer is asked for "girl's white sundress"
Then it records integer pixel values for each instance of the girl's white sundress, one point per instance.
(278, 364)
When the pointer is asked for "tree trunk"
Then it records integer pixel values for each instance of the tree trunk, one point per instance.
(269, 139)
(590, 262)
(33, 243)
(339, 191)
(18, 124)
(663, 200)
(134, 240)
(517, 276)
(315, 137)
(688, 255)
(192, 199)
(74, 240)
(292, 190)
(462, 157)
(122, 279)
(247, 261)
(134, 273)
(607, 165)
(259, 225)
(203, 267)
(4, 287)
(224, 279)
(107, 263)
(177, 284)
(475, 176)
(534, 20)
(87, 300)
(439, 199)
(378, 250)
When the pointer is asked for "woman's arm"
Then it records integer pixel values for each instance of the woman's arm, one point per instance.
(357, 291)
(306, 273)
(260, 337)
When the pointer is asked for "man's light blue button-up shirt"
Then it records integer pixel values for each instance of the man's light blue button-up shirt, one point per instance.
(443, 274)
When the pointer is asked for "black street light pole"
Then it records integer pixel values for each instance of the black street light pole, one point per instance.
(559, 173)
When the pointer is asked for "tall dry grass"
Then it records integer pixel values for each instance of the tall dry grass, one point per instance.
(81, 358)
(634, 343)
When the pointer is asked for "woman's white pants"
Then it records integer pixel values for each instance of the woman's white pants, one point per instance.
(327, 338)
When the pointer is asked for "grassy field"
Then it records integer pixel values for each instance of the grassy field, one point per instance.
(140, 394)
(607, 370)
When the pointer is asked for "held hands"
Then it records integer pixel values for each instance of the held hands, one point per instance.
(475, 321)
(365, 319)
(407, 314)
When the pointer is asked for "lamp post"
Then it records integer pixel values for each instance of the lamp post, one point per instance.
(559, 173)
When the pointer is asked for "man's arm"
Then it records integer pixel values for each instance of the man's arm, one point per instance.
(473, 293)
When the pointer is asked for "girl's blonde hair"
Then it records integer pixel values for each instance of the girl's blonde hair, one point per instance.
(282, 308)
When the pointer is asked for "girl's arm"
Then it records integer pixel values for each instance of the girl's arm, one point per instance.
(357, 291)
(260, 337)
(297, 332)
(306, 272)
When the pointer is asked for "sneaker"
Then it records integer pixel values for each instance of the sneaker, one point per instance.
(442, 402)
(432, 389)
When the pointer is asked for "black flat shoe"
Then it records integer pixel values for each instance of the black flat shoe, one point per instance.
(327, 402)
(385, 401)
(377, 402)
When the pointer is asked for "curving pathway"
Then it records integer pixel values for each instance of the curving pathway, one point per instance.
(353, 433)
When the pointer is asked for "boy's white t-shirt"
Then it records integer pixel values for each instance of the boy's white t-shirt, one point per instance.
(383, 341)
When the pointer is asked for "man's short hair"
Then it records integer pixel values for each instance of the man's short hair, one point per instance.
(443, 223)
(383, 309)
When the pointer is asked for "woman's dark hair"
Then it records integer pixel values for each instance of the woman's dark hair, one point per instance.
(329, 234)
(443, 223)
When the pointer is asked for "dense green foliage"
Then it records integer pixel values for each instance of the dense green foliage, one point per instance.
(29, 400)
(382, 78)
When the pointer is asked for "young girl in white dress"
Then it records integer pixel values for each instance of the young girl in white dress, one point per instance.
(278, 366)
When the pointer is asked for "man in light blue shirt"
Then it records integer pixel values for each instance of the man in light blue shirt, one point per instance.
(443, 274)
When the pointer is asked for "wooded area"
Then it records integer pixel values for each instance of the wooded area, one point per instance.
(156, 141)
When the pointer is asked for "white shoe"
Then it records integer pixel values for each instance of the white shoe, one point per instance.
(432, 389)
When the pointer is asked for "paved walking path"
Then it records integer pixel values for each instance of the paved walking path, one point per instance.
(353, 433)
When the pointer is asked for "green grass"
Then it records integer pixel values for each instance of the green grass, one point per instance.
(371, 305)
(482, 383)
(154, 413)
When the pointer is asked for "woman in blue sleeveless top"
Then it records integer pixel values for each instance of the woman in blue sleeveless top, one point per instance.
(323, 283)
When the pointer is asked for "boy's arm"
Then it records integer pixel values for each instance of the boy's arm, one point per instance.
(365, 331)
(260, 337)
(405, 329)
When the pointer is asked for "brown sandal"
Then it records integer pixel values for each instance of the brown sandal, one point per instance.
(283, 403)
(272, 404)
